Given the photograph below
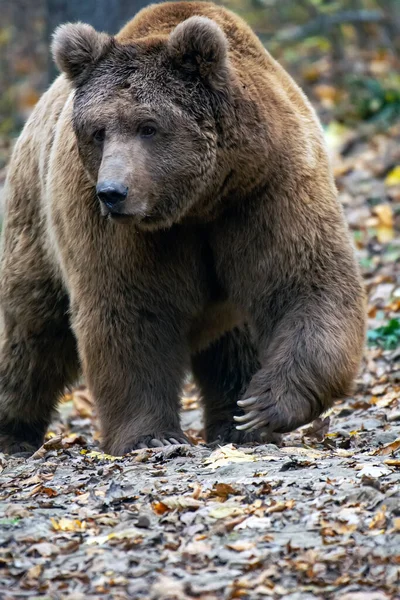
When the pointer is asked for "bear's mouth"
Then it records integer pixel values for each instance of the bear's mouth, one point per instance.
(119, 218)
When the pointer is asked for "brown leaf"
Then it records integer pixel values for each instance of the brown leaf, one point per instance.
(388, 448)
(223, 490)
(34, 572)
(83, 402)
(318, 429)
(43, 549)
(378, 521)
(280, 506)
(54, 443)
(176, 503)
(240, 545)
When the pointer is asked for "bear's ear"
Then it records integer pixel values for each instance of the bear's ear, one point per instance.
(199, 47)
(76, 47)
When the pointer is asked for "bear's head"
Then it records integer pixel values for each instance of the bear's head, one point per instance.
(147, 117)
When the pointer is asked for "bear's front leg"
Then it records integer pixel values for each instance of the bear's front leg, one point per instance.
(295, 276)
(133, 361)
(310, 360)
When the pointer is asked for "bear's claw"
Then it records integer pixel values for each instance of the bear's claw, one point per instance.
(161, 441)
(251, 420)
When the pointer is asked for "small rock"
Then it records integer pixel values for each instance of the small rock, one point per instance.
(143, 522)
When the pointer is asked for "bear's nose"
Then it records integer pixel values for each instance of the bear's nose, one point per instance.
(111, 192)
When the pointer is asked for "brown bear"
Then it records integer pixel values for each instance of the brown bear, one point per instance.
(170, 206)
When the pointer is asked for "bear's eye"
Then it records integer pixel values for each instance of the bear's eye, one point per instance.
(126, 85)
(99, 136)
(147, 131)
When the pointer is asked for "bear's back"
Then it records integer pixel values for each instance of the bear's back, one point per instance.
(158, 21)
(255, 68)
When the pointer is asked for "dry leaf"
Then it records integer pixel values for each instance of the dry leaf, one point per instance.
(388, 448)
(34, 572)
(254, 522)
(372, 471)
(225, 455)
(393, 177)
(48, 491)
(54, 443)
(83, 402)
(223, 490)
(67, 524)
(384, 229)
(176, 503)
(392, 462)
(241, 545)
(379, 520)
(44, 549)
(295, 451)
(100, 455)
(126, 534)
(225, 510)
(318, 429)
(280, 506)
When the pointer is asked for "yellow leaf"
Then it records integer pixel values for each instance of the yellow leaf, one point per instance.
(392, 462)
(379, 520)
(100, 455)
(224, 455)
(64, 524)
(384, 228)
(384, 234)
(297, 451)
(393, 178)
(226, 510)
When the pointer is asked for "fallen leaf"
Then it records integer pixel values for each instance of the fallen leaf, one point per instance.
(393, 177)
(254, 522)
(372, 471)
(388, 448)
(34, 572)
(225, 510)
(318, 429)
(100, 455)
(294, 450)
(83, 402)
(378, 521)
(64, 524)
(130, 534)
(224, 455)
(280, 506)
(44, 549)
(54, 443)
(240, 545)
(392, 462)
(223, 490)
(48, 491)
(176, 503)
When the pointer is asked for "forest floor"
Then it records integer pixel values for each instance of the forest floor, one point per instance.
(318, 518)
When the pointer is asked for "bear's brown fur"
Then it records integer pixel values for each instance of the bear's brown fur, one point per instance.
(216, 240)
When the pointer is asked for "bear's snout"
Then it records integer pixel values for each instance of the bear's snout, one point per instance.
(112, 194)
